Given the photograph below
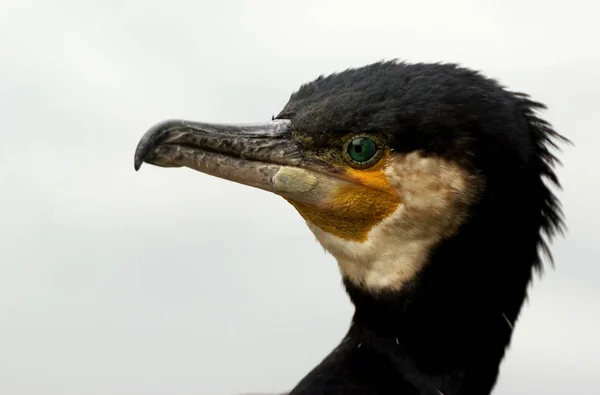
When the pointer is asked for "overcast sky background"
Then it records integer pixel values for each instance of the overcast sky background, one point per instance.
(172, 282)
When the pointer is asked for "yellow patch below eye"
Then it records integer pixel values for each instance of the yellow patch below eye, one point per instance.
(354, 208)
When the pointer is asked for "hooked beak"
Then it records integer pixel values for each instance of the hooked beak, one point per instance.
(259, 155)
(338, 200)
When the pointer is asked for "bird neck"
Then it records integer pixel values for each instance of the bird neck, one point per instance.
(451, 326)
(444, 333)
(450, 346)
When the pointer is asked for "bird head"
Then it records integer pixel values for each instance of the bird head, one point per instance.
(393, 166)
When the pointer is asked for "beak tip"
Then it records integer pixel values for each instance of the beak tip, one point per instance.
(150, 139)
(140, 155)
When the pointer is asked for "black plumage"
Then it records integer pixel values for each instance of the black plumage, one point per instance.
(447, 332)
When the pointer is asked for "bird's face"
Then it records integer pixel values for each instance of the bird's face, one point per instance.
(378, 209)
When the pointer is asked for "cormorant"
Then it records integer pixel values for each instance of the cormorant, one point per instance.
(430, 185)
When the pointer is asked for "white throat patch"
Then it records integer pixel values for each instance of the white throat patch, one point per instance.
(435, 195)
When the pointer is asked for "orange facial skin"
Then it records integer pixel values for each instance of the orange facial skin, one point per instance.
(354, 207)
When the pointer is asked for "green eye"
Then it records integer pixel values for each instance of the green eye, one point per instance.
(361, 149)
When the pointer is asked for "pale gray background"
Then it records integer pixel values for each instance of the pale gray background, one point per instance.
(172, 282)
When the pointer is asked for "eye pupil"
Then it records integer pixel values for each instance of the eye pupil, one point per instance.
(361, 149)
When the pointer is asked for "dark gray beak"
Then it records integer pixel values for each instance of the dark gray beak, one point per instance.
(250, 154)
